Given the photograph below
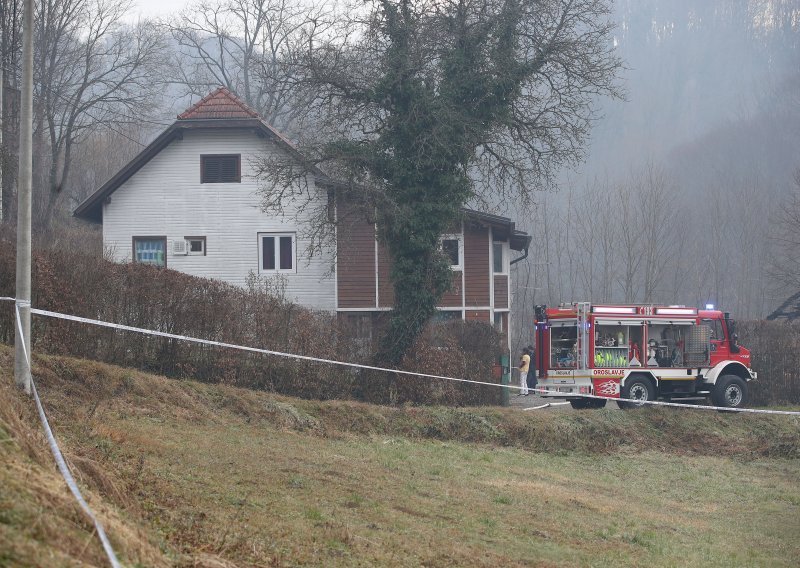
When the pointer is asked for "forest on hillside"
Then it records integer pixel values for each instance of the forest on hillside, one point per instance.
(689, 184)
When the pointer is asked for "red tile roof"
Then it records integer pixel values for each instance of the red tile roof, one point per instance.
(219, 104)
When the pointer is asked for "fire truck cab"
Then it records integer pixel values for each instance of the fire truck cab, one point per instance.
(637, 353)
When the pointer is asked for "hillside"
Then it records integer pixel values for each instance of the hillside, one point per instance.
(189, 474)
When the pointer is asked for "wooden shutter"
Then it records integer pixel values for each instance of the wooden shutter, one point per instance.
(220, 168)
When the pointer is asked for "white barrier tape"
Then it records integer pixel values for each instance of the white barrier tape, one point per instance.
(62, 465)
(373, 368)
(58, 315)
(21, 333)
(256, 349)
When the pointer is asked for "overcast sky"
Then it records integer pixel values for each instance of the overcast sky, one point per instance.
(150, 8)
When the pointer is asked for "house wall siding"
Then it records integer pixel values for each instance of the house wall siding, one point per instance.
(478, 315)
(476, 265)
(501, 292)
(165, 197)
(355, 260)
(453, 298)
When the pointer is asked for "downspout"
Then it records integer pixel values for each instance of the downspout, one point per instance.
(523, 257)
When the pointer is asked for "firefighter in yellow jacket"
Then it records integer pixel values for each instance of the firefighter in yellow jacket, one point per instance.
(524, 365)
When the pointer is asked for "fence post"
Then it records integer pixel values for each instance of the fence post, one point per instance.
(505, 378)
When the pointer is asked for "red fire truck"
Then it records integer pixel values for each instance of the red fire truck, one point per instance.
(636, 353)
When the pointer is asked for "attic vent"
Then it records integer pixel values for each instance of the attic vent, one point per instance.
(179, 247)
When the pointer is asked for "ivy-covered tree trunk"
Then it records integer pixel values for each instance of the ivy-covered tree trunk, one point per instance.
(420, 276)
(424, 104)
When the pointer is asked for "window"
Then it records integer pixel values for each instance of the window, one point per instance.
(618, 344)
(498, 259)
(715, 326)
(563, 345)
(276, 252)
(195, 246)
(666, 344)
(445, 316)
(499, 321)
(150, 250)
(452, 249)
(223, 168)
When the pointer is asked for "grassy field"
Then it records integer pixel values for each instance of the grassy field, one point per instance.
(185, 474)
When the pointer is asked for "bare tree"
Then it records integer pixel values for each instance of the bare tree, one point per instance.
(426, 104)
(659, 210)
(630, 244)
(10, 50)
(249, 46)
(89, 70)
(784, 266)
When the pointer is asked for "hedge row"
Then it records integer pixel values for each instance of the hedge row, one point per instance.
(775, 348)
(166, 300)
(169, 301)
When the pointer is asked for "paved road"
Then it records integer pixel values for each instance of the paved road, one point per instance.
(556, 404)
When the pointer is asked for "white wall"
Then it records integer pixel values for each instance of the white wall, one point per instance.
(165, 197)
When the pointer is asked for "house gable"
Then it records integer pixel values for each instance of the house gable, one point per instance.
(220, 109)
(195, 187)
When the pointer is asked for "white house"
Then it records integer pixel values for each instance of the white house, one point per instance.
(189, 201)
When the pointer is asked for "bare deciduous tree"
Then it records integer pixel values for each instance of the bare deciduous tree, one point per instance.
(426, 104)
(659, 209)
(784, 266)
(89, 70)
(249, 46)
(10, 50)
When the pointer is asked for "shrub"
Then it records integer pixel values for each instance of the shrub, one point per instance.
(259, 316)
(775, 347)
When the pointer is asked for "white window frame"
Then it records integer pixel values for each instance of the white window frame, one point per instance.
(277, 236)
(189, 251)
(506, 255)
(460, 239)
(498, 325)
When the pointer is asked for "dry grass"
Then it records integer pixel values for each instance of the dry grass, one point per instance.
(195, 475)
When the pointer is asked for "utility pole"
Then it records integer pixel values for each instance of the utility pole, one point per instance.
(22, 343)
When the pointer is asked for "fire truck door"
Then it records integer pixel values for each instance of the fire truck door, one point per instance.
(720, 349)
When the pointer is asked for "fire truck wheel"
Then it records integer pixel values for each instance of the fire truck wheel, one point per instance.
(637, 390)
(581, 403)
(729, 392)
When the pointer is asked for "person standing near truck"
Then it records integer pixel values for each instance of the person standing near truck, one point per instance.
(524, 365)
(532, 380)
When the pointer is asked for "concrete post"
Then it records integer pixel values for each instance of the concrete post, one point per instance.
(22, 370)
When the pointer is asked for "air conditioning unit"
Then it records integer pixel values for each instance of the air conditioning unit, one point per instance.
(180, 247)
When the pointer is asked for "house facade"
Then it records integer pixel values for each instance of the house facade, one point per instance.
(190, 201)
(481, 249)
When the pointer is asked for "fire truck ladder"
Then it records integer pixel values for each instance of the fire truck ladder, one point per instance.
(582, 309)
